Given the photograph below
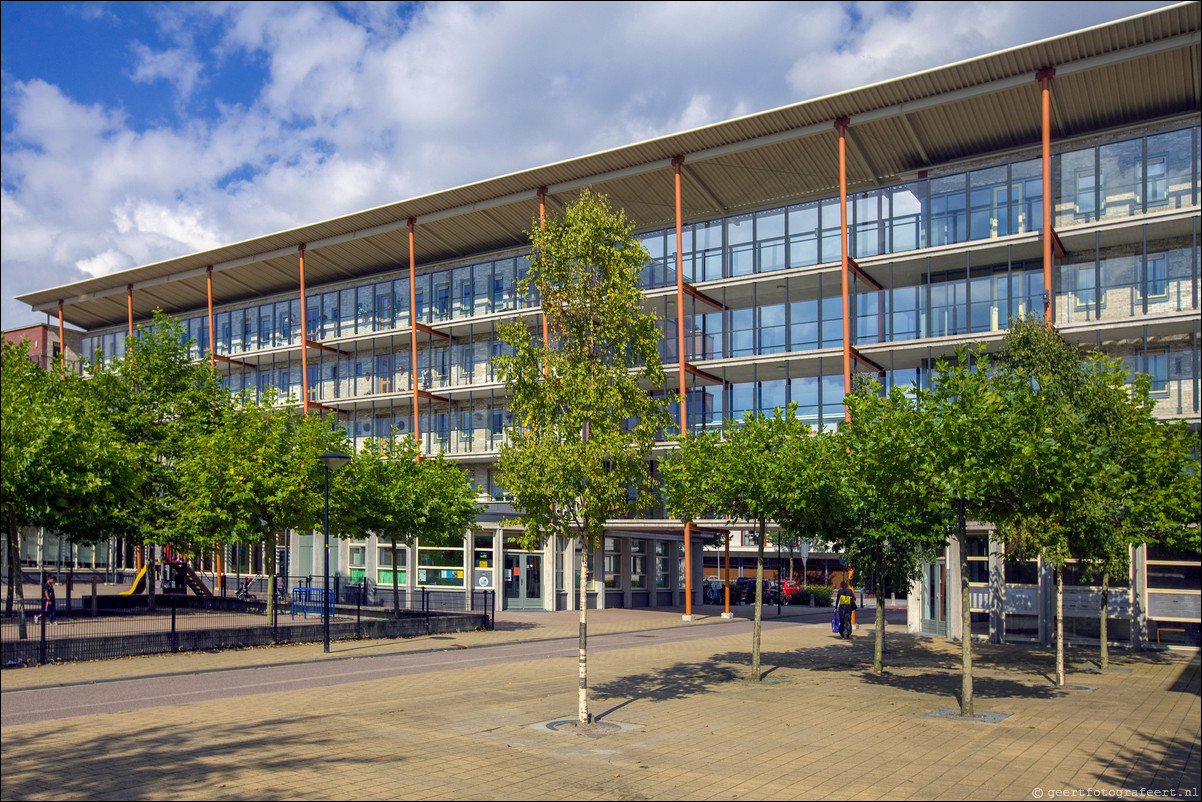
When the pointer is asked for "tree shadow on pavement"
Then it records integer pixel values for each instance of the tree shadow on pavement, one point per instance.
(666, 684)
(1152, 763)
(149, 761)
(515, 626)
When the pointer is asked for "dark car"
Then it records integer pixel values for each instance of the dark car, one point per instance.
(745, 588)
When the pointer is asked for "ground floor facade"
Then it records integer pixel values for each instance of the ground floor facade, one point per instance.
(1157, 604)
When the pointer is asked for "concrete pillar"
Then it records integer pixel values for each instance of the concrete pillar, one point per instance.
(953, 603)
(997, 591)
(1139, 597)
(1047, 603)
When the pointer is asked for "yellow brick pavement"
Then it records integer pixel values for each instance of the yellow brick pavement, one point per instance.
(821, 725)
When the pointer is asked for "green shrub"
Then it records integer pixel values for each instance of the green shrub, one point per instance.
(820, 594)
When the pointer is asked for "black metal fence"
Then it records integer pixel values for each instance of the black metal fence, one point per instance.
(101, 627)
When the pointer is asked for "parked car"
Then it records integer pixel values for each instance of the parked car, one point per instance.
(745, 588)
(787, 589)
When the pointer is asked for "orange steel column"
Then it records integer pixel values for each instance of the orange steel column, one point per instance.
(417, 432)
(1045, 80)
(212, 333)
(542, 223)
(677, 161)
(62, 339)
(300, 250)
(841, 127)
(129, 306)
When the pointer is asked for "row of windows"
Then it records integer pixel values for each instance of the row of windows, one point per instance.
(1124, 178)
(477, 424)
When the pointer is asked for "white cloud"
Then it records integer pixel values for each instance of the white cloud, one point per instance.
(101, 264)
(177, 66)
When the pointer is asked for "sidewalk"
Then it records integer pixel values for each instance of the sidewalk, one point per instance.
(821, 725)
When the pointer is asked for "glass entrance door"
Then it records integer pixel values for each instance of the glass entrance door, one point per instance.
(523, 581)
(934, 595)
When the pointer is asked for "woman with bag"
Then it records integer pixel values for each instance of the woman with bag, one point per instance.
(845, 604)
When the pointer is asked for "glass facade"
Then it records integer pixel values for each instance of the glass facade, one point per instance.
(775, 274)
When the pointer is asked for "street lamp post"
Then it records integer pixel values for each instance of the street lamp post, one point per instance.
(333, 461)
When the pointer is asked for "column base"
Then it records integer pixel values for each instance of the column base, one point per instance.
(688, 618)
(728, 616)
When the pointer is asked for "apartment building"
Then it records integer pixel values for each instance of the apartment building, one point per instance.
(873, 230)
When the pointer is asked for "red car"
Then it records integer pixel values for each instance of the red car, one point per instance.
(788, 588)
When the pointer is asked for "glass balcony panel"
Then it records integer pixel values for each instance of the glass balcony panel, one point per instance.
(770, 240)
(772, 329)
(740, 238)
(870, 210)
(906, 224)
(989, 199)
(832, 321)
(1169, 183)
(1026, 196)
(1121, 178)
(831, 247)
(948, 217)
(803, 235)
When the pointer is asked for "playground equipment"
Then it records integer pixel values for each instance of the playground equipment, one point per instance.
(181, 568)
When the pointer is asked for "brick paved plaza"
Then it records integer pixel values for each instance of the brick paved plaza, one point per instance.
(819, 726)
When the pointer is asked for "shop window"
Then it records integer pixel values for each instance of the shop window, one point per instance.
(613, 563)
(440, 567)
(638, 564)
(662, 565)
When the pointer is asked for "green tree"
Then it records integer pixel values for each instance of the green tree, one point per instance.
(584, 420)
(881, 521)
(161, 401)
(982, 461)
(62, 467)
(390, 492)
(253, 477)
(757, 472)
(1133, 477)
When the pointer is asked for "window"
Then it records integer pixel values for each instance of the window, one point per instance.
(638, 564)
(1087, 288)
(384, 571)
(1156, 181)
(358, 563)
(494, 490)
(1156, 275)
(613, 563)
(662, 563)
(1085, 193)
(1157, 366)
(441, 567)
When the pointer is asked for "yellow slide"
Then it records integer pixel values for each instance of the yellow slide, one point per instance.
(139, 584)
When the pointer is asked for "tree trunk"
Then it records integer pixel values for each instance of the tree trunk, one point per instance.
(12, 571)
(1060, 627)
(150, 566)
(759, 602)
(966, 705)
(582, 714)
(878, 653)
(726, 578)
(271, 581)
(396, 586)
(1104, 647)
(16, 586)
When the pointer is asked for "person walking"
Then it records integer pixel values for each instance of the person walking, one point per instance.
(48, 607)
(845, 604)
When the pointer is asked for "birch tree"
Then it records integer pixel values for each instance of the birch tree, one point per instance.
(584, 419)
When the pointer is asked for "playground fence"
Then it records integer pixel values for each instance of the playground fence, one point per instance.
(105, 627)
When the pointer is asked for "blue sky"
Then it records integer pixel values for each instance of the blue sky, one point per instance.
(134, 132)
